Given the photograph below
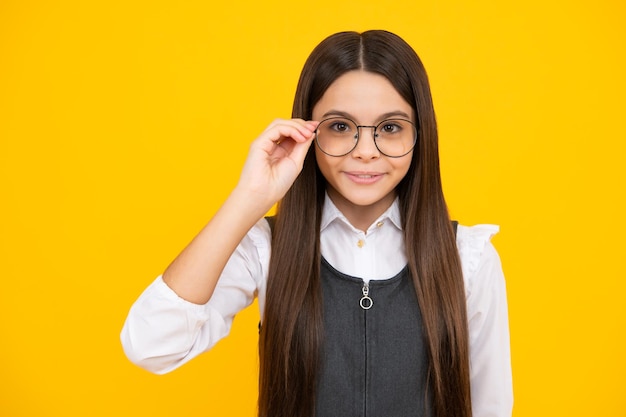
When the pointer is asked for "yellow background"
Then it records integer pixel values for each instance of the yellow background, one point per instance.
(111, 161)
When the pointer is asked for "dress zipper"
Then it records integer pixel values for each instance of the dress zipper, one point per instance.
(366, 302)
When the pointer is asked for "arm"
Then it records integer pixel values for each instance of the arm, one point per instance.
(163, 331)
(189, 308)
(274, 161)
(490, 357)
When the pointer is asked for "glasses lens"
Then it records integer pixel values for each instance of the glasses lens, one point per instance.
(336, 136)
(395, 137)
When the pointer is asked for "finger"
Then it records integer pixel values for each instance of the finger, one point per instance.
(285, 132)
(299, 151)
(304, 127)
(294, 120)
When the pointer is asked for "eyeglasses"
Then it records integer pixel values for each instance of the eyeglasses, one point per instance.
(338, 136)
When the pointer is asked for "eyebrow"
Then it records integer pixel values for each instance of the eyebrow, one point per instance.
(395, 113)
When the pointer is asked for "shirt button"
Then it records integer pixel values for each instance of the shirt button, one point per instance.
(360, 243)
(379, 224)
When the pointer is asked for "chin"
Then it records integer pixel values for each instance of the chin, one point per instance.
(365, 200)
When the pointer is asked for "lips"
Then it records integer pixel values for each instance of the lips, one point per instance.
(364, 177)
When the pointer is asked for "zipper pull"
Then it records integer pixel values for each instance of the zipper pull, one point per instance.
(366, 302)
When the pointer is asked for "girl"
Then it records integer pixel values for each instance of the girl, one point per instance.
(370, 304)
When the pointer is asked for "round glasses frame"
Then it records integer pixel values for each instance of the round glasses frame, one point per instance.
(357, 135)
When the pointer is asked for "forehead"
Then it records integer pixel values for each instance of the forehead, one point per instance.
(364, 95)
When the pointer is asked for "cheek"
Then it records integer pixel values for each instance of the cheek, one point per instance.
(322, 161)
(404, 165)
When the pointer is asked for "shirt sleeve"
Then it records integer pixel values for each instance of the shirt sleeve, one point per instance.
(490, 357)
(163, 331)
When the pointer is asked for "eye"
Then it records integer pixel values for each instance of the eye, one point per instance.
(340, 127)
(389, 127)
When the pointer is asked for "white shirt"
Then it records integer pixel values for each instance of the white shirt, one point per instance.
(163, 331)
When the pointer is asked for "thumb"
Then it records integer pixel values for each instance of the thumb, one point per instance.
(299, 151)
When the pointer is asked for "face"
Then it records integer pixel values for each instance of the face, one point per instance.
(363, 182)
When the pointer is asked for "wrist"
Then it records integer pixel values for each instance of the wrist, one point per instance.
(249, 202)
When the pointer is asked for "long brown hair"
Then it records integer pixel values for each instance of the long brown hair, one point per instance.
(292, 331)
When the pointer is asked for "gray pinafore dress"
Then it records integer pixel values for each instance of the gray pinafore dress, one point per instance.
(374, 361)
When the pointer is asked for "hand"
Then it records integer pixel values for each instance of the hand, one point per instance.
(276, 158)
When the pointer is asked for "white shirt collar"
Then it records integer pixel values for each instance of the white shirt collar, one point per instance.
(331, 213)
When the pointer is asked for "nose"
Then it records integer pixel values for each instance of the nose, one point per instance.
(366, 146)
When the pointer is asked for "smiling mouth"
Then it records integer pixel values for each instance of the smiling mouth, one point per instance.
(364, 178)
